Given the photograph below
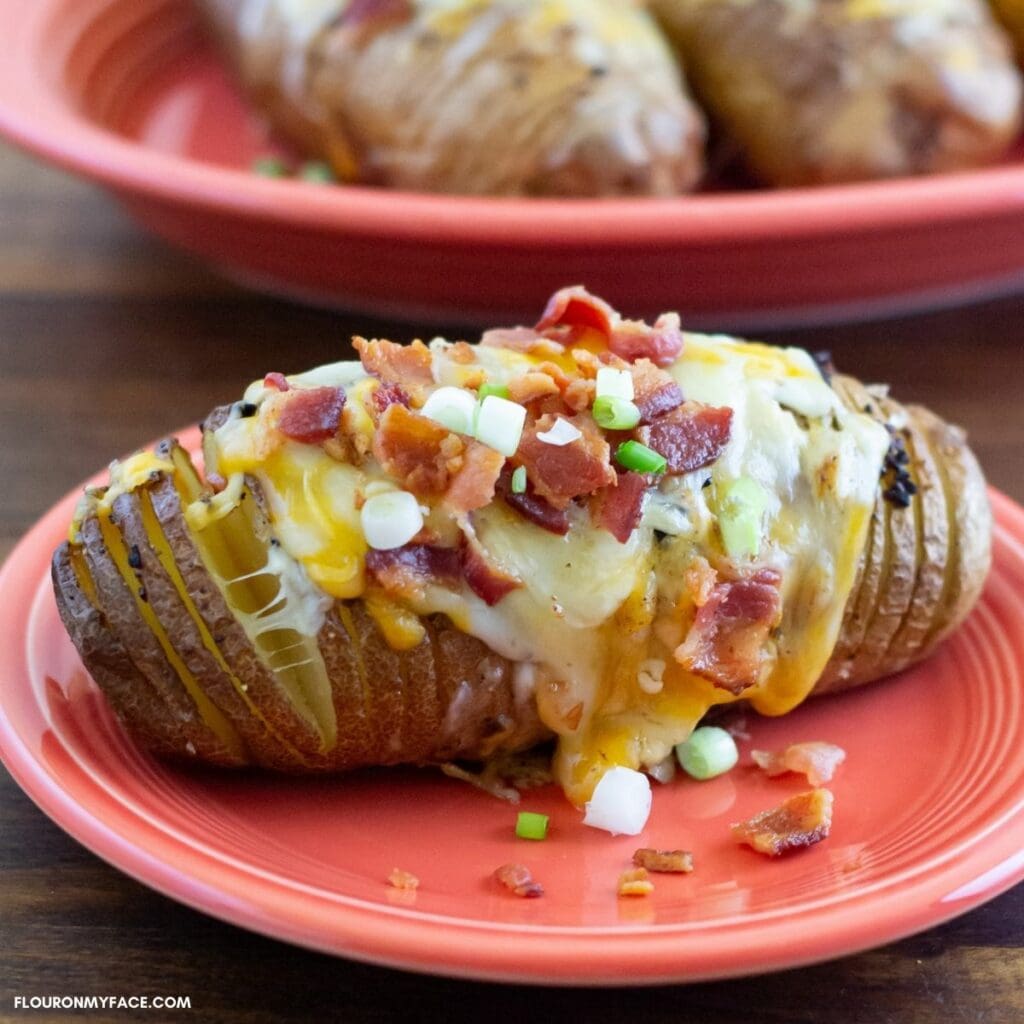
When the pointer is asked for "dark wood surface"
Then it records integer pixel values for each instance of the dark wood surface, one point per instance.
(106, 340)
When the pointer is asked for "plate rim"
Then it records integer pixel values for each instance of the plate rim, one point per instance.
(34, 115)
(992, 862)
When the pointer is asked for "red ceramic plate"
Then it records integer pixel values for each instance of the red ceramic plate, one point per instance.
(126, 92)
(929, 821)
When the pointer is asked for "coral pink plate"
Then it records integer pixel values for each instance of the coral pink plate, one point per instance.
(127, 93)
(929, 821)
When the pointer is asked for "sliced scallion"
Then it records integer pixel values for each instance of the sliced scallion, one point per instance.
(612, 413)
(519, 481)
(641, 459)
(531, 826)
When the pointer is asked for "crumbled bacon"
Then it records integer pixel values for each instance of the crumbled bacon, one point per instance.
(521, 339)
(419, 453)
(533, 507)
(531, 386)
(617, 508)
(366, 15)
(277, 381)
(802, 820)
(654, 391)
(579, 394)
(690, 437)
(635, 882)
(473, 485)
(386, 394)
(816, 759)
(665, 861)
(662, 343)
(396, 364)
(560, 473)
(518, 879)
(399, 879)
(727, 638)
(484, 578)
(406, 570)
(311, 415)
(700, 580)
(462, 352)
(576, 308)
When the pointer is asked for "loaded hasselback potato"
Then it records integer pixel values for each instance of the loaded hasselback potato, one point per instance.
(594, 530)
(590, 97)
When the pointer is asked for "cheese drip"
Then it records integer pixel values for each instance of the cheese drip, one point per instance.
(598, 620)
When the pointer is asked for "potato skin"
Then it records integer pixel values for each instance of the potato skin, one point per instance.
(502, 97)
(847, 90)
(939, 546)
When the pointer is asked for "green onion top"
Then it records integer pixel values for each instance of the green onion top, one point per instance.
(638, 457)
(269, 167)
(614, 413)
(531, 826)
(709, 752)
(519, 481)
(317, 172)
(492, 389)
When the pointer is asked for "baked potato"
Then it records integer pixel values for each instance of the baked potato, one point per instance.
(489, 97)
(596, 530)
(831, 91)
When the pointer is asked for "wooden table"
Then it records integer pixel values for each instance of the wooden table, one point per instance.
(107, 339)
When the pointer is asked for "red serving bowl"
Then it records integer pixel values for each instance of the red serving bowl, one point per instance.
(126, 92)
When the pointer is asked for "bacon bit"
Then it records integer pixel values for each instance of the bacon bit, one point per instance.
(518, 879)
(531, 506)
(311, 415)
(406, 570)
(725, 642)
(560, 473)
(473, 485)
(488, 582)
(394, 363)
(655, 392)
(662, 343)
(419, 453)
(531, 386)
(618, 508)
(576, 308)
(635, 882)
(700, 580)
(802, 820)
(673, 862)
(366, 16)
(462, 352)
(586, 362)
(388, 394)
(277, 381)
(399, 879)
(736, 726)
(580, 394)
(817, 760)
(521, 339)
(217, 482)
(690, 437)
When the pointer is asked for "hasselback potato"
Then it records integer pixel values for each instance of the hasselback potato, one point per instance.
(595, 530)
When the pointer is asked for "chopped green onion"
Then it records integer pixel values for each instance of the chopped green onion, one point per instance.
(519, 481)
(269, 167)
(454, 408)
(710, 751)
(500, 390)
(499, 424)
(638, 457)
(741, 508)
(390, 520)
(531, 826)
(614, 413)
(317, 172)
(612, 383)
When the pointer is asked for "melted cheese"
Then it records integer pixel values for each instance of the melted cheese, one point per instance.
(592, 613)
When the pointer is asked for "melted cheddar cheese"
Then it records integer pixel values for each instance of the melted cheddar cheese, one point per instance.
(596, 621)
